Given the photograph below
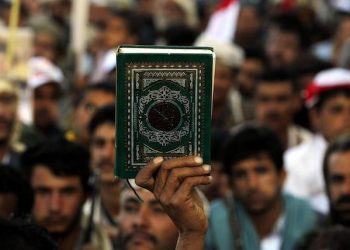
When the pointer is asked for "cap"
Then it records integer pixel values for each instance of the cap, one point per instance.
(6, 86)
(324, 81)
(228, 54)
(42, 71)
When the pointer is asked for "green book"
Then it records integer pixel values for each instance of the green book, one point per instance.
(164, 104)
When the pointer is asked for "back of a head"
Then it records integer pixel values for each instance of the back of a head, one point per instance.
(21, 235)
(249, 140)
(61, 157)
(12, 182)
(333, 238)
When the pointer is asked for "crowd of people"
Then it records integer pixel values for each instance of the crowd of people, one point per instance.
(279, 177)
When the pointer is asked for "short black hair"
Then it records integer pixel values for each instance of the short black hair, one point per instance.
(131, 19)
(289, 22)
(106, 87)
(340, 144)
(22, 235)
(12, 181)
(249, 140)
(276, 76)
(61, 157)
(105, 114)
(324, 96)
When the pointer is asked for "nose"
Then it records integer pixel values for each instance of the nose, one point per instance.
(141, 218)
(55, 202)
(252, 181)
(108, 150)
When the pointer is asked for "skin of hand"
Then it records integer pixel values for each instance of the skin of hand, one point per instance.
(173, 183)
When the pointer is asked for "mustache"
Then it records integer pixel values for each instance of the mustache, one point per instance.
(273, 115)
(131, 235)
(105, 162)
(343, 199)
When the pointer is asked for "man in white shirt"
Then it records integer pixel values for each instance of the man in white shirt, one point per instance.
(328, 98)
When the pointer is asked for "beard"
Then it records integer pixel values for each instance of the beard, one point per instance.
(126, 239)
(74, 223)
(339, 214)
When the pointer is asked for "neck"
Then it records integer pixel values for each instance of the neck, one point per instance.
(283, 135)
(265, 222)
(110, 198)
(69, 241)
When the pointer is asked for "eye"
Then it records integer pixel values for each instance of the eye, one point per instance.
(158, 209)
(261, 169)
(131, 208)
(336, 179)
(239, 174)
(99, 142)
(336, 109)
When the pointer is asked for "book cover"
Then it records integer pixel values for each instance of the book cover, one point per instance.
(164, 103)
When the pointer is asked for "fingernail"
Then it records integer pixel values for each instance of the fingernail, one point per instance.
(158, 160)
(210, 177)
(198, 160)
(206, 168)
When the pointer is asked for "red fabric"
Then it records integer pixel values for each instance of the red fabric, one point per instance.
(225, 3)
(313, 90)
(288, 5)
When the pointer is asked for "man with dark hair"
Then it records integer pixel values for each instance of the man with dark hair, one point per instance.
(328, 101)
(336, 176)
(121, 27)
(93, 97)
(276, 102)
(59, 173)
(102, 150)
(16, 195)
(285, 41)
(257, 215)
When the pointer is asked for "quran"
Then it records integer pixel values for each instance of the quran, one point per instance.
(164, 104)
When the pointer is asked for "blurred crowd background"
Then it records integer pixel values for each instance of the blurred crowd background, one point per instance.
(279, 63)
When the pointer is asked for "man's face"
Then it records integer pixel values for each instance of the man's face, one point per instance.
(248, 74)
(8, 110)
(339, 186)
(145, 225)
(45, 46)
(116, 33)
(282, 48)
(46, 108)
(275, 104)
(57, 200)
(223, 81)
(333, 118)
(102, 150)
(256, 183)
(87, 107)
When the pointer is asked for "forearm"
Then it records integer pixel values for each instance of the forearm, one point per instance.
(191, 241)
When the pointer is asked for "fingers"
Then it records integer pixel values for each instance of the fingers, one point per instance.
(145, 177)
(169, 165)
(187, 186)
(176, 177)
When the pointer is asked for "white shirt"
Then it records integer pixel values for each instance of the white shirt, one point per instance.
(303, 165)
(274, 240)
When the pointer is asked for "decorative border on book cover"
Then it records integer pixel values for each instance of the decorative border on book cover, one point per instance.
(164, 110)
